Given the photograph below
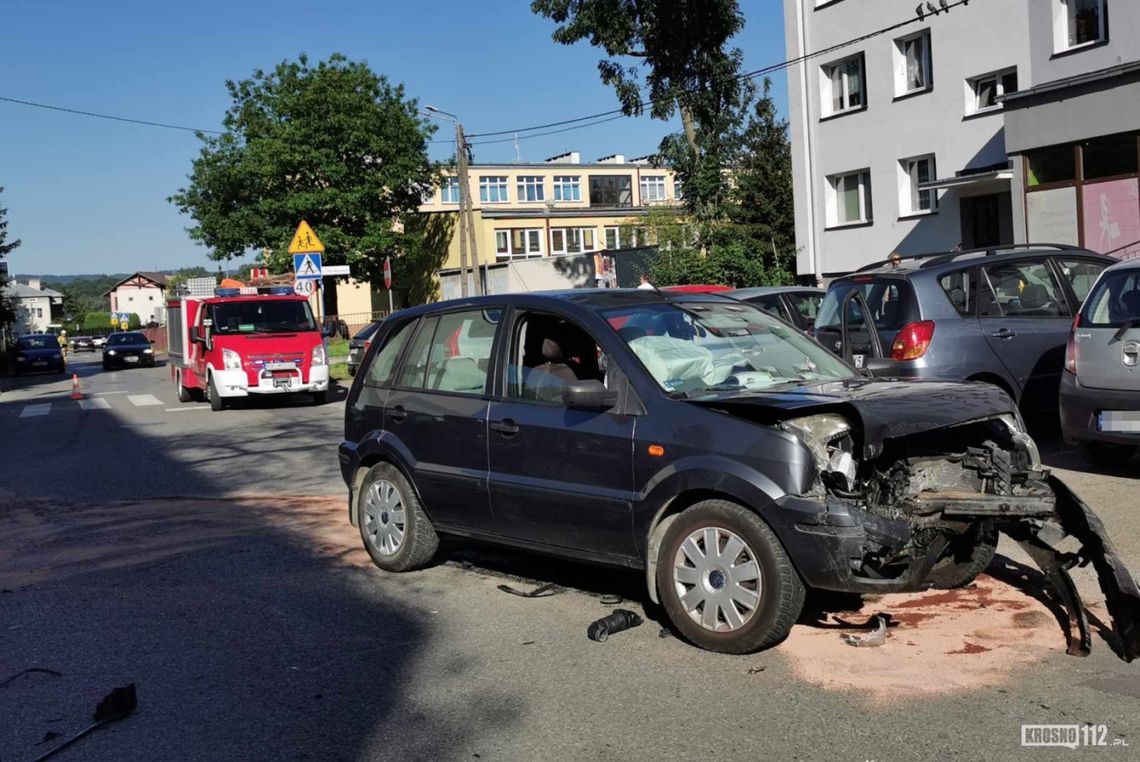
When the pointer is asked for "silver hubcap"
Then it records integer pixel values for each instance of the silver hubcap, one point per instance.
(384, 517)
(717, 579)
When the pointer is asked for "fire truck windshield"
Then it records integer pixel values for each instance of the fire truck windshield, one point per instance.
(262, 316)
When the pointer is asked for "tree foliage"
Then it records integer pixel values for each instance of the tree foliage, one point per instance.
(334, 144)
(7, 308)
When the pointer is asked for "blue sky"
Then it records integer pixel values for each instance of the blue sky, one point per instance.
(88, 195)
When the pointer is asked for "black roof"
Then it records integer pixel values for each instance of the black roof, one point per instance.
(909, 263)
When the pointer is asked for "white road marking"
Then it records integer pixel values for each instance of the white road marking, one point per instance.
(30, 411)
(142, 400)
(185, 409)
(94, 404)
(103, 394)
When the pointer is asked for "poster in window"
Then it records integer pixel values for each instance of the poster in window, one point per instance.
(1112, 217)
(1052, 216)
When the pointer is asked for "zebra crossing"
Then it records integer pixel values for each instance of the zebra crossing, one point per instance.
(39, 409)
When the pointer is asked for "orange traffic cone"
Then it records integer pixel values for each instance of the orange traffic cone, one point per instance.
(75, 393)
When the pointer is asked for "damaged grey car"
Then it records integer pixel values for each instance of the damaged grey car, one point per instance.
(709, 443)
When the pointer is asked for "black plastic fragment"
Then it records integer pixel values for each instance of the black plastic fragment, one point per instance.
(542, 591)
(621, 619)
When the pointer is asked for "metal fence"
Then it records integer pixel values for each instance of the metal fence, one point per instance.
(348, 325)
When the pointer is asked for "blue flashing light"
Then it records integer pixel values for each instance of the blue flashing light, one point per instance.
(227, 292)
(281, 290)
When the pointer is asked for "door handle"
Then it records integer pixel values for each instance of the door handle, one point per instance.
(506, 427)
(397, 413)
(1003, 333)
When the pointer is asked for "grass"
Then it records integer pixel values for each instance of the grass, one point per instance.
(338, 371)
(338, 348)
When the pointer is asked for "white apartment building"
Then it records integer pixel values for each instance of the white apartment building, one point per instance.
(898, 142)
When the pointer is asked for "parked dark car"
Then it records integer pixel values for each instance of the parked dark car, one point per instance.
(127, 349)
(726, 454)
(83, 344)
(797, 304)
(38, 353)
(998, 315)
(1100, 388)
(359, 345)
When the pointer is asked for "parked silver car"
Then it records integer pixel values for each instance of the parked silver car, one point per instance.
(1100, 388)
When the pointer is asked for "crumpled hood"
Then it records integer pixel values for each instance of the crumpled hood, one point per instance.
(885, 409)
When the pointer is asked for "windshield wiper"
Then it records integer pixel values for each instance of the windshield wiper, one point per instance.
(1125, 327)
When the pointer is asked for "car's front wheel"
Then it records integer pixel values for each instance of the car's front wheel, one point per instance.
(217, 402)
(396, 532)
(725, 580)
(967, 556)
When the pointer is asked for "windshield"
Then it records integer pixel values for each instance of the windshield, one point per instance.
(884, 299)
(709, 346)
(262, 316)
(38, 342)
(120, 339)
(1114, 300)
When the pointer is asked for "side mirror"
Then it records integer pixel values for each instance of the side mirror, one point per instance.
(879, 366)
(588, 395)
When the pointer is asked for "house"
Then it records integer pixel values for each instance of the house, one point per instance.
(142, 294)
(1073, 130)
(556, 207)
(898, 141)
(37, 308)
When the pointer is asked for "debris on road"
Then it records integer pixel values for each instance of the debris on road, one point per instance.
(39, 670)
(542, 591)
(877, 638)
(115, 706)
(621, 619)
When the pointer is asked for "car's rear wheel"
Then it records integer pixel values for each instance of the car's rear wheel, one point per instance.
(184, 394)
(396, 532)
(1107, 455)
(725, 580)
(967, 556)
(217, 402)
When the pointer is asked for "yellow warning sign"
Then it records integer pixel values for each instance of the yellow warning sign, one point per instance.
(305, 241)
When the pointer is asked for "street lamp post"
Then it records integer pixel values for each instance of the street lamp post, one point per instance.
(467, 237)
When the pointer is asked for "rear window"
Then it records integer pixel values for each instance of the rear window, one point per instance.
(806, 304)
(366, 332)
(1114, 300)
(38, 342)
(885, 299)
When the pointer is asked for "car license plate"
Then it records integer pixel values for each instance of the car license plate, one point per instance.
(280, 366)
(39, 362)
(858, 361)
(1119, 421)
(282, 383)
(130, 358)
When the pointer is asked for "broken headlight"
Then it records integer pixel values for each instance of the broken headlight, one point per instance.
(821, 435)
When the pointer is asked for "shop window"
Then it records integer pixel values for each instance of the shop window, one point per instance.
(1109, 157)
(1051, 165)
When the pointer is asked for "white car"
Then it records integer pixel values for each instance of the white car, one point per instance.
(99, 341)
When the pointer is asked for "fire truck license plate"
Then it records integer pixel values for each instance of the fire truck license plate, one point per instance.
(280, 366)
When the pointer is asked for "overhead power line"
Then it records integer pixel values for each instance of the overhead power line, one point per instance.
(741, 77)
(109, 116)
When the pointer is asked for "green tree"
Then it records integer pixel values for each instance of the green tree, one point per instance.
(7, 308)
(96, 321)
(334, 144)
(681, 47)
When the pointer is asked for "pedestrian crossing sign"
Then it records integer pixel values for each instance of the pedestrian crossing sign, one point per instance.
(307, 266)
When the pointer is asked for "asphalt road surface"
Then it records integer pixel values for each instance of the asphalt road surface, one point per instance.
(206, 558)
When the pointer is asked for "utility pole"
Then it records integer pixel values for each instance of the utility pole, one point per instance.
(467, 236)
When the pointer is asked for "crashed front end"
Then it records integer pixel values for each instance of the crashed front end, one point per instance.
(907, 495)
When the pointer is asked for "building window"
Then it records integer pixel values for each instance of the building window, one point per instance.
(1109, 157)
(493, 189)
(912, 64)
(620, 237)
(518, 243)
(572, 240)
(843, 88)
(39, 312)
(914, 172)
(849, 199)
(449, 191)
(611, 190)
(1079, 22)
(678, 190)
(531, 188)
(1050, 165)
(652, 188)
(984, 93)
(567, 188)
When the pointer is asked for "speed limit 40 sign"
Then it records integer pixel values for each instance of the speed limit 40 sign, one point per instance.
(304, 287)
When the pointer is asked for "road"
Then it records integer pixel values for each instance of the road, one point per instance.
(206, 558)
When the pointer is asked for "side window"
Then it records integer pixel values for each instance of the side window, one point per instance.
(961, 289)
(384, 361)
(1081, 275)
(547, 352)
(770, 304)
(1022, 289)
(416, 361)
(461, 351)
(805, 304)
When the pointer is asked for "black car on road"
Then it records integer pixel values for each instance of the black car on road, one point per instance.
(359, 345)
(702, 440)
(38, 353)
(127, 349)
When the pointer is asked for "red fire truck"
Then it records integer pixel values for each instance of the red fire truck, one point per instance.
(242, 341)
